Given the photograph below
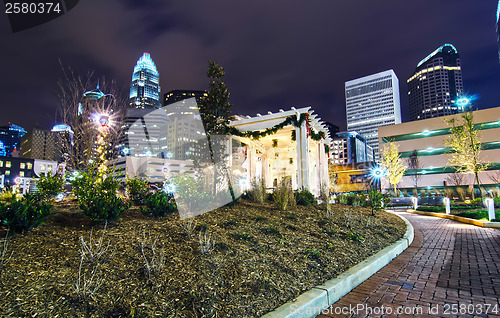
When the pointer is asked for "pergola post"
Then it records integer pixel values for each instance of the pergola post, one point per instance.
(302, 157)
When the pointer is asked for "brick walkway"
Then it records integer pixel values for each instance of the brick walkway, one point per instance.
(451, 270)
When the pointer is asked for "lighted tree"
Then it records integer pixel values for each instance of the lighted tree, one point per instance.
(464, 141)
(392, 163)
(414, 164)
(82, 101)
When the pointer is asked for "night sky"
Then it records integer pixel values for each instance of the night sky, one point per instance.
(276, 54)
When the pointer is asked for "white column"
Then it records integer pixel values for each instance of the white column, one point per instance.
(302, 157)
(298, 162)
(415, 202)
(446, 202)
(490, 204)
(323, 166)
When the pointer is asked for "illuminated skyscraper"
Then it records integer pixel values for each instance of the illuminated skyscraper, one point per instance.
(145, 87)
(10, 136)
(435, 88)
(371, 102)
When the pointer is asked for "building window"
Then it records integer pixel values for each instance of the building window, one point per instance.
(49, 168)
(21, 173)
(7, 172)
(1, 163)
(22, 165)
(42, 167)
(7, 164)
(29, 166)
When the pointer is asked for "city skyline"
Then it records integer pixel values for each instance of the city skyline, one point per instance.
(275, 56)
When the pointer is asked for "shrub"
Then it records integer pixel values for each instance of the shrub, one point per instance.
(103, 207)
(258, 192)
(497, 202)
(159, 204)
(49, 185)
(22, 214)
(192, 192)
(431, 208)
(283, 195)
(97, 195)
(305, 197)
(137, 190)
(352, 199)
(7, 195)
(375, 200)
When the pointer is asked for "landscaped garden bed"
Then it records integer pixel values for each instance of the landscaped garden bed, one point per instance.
(238, 261)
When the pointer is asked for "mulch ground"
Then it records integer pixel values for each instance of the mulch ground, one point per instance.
(262, 258)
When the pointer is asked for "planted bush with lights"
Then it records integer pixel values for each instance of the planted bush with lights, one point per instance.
(49, 185)
(159, 204)
(22, 214)
(96, 194)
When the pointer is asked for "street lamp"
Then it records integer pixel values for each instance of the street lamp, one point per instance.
(376, 173)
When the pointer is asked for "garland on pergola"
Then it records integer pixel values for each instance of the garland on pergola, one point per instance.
(290, 120)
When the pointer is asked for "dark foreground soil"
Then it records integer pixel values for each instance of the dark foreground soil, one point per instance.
(262, 258)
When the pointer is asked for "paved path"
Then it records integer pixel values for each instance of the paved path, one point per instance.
(451, 270)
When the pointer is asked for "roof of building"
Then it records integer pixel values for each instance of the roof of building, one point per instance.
(438, 50)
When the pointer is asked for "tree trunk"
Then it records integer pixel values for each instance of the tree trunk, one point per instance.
(479, 185)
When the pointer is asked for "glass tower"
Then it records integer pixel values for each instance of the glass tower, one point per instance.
(10, 136)
(145, 87)
(436, 86)
(371, 102)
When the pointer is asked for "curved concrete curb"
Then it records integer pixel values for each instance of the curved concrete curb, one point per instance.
(319, 298)
(458, 218)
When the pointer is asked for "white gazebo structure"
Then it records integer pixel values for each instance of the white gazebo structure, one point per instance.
(295, 147)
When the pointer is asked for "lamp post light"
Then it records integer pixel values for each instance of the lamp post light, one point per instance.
(376, 173)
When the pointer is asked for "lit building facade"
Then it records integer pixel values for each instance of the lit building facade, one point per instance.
(178, 95)
(19, 172)
(435, 88)
(39, 144)
(427, 138)
(350, 147)
(372, 102)
(145, 87)
(10, 136)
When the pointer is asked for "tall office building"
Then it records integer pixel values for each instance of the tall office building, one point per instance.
(145, 87)
(371, 102)
(10, 136)
(177, 95)
(435, 88)
(39, 144)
